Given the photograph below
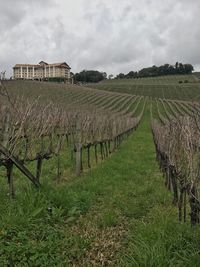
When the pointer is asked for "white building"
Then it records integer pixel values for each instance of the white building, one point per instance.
(41, 71)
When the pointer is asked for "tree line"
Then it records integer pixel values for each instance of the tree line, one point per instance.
(154, 71)
(94, 76)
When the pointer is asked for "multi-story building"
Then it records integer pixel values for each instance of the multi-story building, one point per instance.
(41, 71)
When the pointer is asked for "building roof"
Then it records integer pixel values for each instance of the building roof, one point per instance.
(59, 64)
(42, 62)
(25, 65)
(63, 64)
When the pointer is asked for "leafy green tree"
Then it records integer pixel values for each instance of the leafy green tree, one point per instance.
(120, 76)
(131, 74)
(87, 76)
(181, 68)
(188, 68)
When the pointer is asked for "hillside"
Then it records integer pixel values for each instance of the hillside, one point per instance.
(102, 160)
(182, 87)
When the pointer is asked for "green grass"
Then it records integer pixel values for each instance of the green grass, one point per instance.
(117, 214)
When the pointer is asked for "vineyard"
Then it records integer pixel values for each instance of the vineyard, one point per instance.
(180, 87)
(176, 133)
(175, 127)
(36, 129)
(100, 176)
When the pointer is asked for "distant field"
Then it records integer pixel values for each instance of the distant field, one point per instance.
(182, 87)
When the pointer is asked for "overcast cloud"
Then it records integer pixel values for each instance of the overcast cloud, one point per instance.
(107, 35)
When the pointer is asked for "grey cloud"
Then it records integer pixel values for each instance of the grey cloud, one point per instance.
(13, 12)
(109, 35)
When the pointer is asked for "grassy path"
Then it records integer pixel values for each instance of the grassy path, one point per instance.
(119, 214)
(131, 187)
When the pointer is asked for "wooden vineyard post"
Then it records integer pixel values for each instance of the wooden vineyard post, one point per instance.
(180, 205)
(88, 156)
(39, 168)
(9, 163)
(194, 205)
(95, 152)
(101, 149)
(184, 205)
(6, 129)
(58, 167)
(57, 153)
(78, 149)
(171, 173)
(9, 168)
(109, 150)
(115, 143)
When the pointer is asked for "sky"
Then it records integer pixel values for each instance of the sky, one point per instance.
(106, 35)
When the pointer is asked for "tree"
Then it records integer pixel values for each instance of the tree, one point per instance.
(181, 68)
(131, 74)
(90, 76)
(120, 76)
(188, 68)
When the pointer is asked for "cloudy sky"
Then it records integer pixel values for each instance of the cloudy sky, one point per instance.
(107, 35)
